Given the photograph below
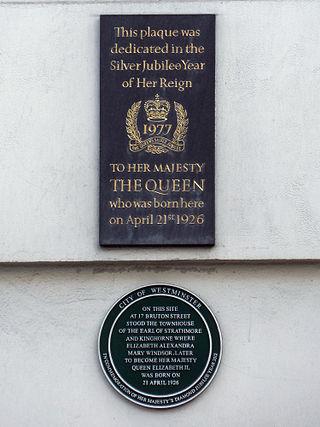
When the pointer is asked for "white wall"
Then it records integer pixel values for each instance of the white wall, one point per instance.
(269, 374)
(267, 136)
(268, 208)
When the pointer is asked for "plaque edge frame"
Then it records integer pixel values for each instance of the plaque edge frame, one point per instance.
(212, 243)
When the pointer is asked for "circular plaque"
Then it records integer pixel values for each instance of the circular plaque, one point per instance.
(160, 346)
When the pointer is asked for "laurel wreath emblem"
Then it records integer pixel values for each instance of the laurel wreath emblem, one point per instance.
(156, 144)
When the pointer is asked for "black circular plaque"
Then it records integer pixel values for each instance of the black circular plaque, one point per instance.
(160, 346)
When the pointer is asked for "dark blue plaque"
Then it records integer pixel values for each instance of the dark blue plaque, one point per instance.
(157, 129)
(160, 346)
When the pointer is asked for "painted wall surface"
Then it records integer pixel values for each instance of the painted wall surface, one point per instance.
(267, 135)
(269, 374)
(267, 208)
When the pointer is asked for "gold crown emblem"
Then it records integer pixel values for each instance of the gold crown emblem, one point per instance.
(156, 109)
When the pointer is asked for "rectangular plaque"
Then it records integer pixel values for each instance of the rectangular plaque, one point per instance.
(157, 126)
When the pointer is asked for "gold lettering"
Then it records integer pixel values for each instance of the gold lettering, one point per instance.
(176, 185)
(186, 185)
(143, 82)
(200, 186)
(179, 84)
